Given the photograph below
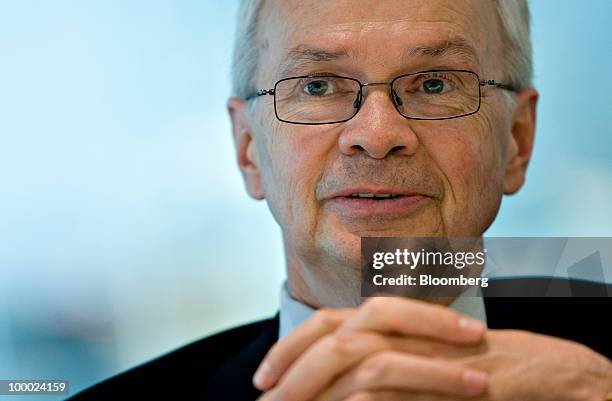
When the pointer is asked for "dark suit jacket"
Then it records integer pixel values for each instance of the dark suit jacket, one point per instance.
(220, 367)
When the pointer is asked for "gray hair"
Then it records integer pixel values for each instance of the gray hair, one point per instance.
(244, 61)
(513, 16)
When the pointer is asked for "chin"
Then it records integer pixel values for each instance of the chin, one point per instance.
(341, 249)
(340, 245)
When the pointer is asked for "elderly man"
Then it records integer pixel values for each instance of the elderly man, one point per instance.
(388, 118)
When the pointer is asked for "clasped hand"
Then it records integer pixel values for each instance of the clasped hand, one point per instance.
(403, 349)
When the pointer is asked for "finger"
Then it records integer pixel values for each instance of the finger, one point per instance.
(414, 317)
(386, 395)
(389, 314)
(434, 348)
(284, 353)
(315, 369)
(379, 396)
(391, 370)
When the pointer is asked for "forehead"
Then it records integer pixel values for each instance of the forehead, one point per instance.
(375, 30)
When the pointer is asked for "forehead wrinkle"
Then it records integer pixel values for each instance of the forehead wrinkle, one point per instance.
(349, 38)
(301, 55)
(373, 24)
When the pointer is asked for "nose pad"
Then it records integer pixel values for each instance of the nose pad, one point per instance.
(396, 98)
(357, 102)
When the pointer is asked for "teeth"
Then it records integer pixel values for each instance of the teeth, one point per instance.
(374, 196)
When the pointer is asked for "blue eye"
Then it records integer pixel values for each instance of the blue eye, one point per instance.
(433, 86)
(317, 88)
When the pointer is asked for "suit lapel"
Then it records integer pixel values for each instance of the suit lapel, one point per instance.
(233, 380)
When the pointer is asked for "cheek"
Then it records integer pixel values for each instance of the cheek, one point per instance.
(295, 159)
(466, 152)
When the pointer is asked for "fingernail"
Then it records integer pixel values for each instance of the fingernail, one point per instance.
(262, 375)
(474, 381)
(470, 326)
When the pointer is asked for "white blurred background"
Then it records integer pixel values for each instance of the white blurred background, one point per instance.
(125, 231)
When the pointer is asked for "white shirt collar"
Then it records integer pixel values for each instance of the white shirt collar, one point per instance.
(293, 312)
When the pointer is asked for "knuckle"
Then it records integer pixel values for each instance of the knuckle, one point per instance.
(326, 318)
(446, 315)
(379, 308)
(374, 368)
(455, 380)
(340, 344)
(378, 303)
(448, 321)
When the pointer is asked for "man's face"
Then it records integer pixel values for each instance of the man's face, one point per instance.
(449, 173)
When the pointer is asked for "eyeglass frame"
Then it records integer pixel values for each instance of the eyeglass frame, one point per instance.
(359, 99)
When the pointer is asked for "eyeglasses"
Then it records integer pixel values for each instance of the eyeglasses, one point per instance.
(425, 95)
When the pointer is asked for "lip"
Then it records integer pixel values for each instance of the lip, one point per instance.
(406, 203)
(375, 191)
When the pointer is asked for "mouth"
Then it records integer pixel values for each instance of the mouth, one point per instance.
(359, 203)
(373, 196)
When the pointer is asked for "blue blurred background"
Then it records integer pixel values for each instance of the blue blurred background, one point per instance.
(125, 231)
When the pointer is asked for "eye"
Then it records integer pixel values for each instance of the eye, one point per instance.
(317, 88)
(434, 85)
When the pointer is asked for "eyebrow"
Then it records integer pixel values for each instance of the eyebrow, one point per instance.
(302, 56)
(455, 47)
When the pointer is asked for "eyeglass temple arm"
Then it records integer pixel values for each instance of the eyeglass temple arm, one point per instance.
(260, 92)
(492, 82)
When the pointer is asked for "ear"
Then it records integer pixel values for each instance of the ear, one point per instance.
(245, 148)
(520, 145)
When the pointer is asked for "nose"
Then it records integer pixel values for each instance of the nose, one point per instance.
(378, 129)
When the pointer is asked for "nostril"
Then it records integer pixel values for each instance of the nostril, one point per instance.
(397, 148)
